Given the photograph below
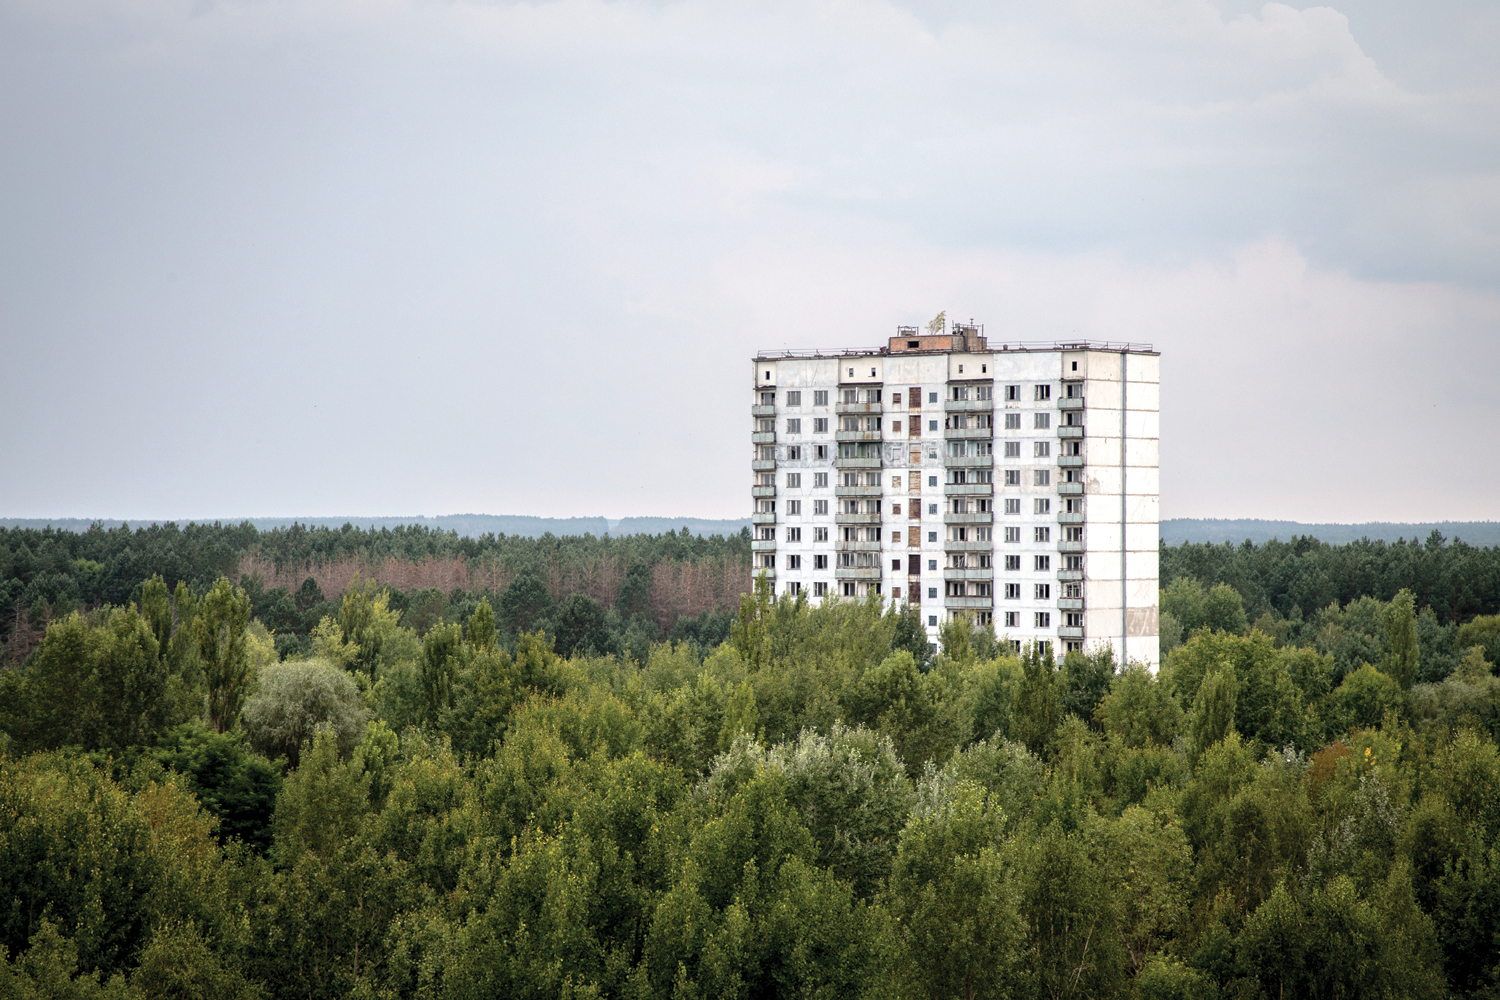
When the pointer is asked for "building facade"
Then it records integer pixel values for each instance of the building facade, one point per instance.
(1016, 485)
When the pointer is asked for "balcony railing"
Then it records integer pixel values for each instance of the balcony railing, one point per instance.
(968, 405)
(762, 491)
(1070, 461)
(1070, 431)
(985, 518)
(969, 461)
(859, 435)
(1070, 574)
(964, 433)
(1066, 518)
(969, 574)
(839, 517)
(760, 517)
(1070, 547)
(763, 437)
(856, 491)
(1068, 489)
(763, 545)
(857, 572)
(842, 408)
(952, 546)
(969, 489)
(763, 410)
(843, 546)
(857, 463)
(968, 602)
(1070, 402)
(1070, 603)
(1069, 632)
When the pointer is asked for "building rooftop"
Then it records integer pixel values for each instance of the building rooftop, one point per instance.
(965, 338)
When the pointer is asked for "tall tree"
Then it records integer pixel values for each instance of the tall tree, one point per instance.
(219, 629)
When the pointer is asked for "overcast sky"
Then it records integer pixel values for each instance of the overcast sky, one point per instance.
(312, 257)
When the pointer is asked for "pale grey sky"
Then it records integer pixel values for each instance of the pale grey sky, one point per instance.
(372, 256)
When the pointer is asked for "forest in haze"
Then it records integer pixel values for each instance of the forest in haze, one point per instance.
(400, 763)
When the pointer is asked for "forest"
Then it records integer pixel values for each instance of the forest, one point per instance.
(398, 763)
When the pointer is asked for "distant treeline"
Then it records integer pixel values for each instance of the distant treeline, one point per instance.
(466, 525)
(1175, 531)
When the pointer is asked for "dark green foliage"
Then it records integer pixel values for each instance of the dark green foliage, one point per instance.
(579, 625)
(1085, 679)
(234, 784)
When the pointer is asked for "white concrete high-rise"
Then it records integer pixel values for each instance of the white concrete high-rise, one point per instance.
(1017, 484)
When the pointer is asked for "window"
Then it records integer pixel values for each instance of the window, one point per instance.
(820, 589)
(794, 507)
(932, 564)
(895, 482)
(766, 425)
(1074, 619)
(820, 451)
(1043, 449)
(1043, 393)
(768, 398)
(914, 397)
(1072, 590)
(931, 620)
(1074, 368)
(1074, 563)
(793, 562)
(1043, 564)
(765, 534)
(932, 480)
(766, 479)
(1012, 619)
(849, 589)
(1013, 563)
(766, 452)
(794, 453)
(820, 480)
(820, 507)
(794, 480)
(1075, 390)
(960, 392)
(765, 506)
(1012, 477)
(896, 534)
(896, 564)
(932, 536)
(981, 534)
(820, 534)
(932, 508)
(1012, 421)
(794, 534)
(1041, 421)
(1074, 534)
(896, 509)
(1044, 619)
(1012, 393)
(820, 425)
(895, 427)
(1013, 505)
(932, 424)
(794, 398)
(932, 397)
(1074, 448)
(820, 397)
(1012, 591)
(1041, 477)
(895, 399)
(895, 593)
(1044, 591)
(1013, 535)
(1012, 449)
(794, 587)
(768, 561)
(820, 562)
(984, 391)
(1042, 505)
(794, 426)
(932, 592)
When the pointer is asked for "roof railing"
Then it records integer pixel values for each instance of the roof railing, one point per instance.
(1110, 346)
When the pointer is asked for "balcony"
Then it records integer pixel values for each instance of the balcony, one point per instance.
(969, 574)
(857, 463)
(965, 433)
(952, 546)
(1070, 431)
(969, 461)
(1066, 518)
(763, 545)
(856, 491)
(985, 518)
(857, 573)
(1070, 547)
(1070, 402)
(841, 518)
(843, 546)
(763, 437)
(1069, 632)
(760, 517)
(969, 489)
(1070, 489)
(842, 408)
(763, 410)
(1070, 574)
(968, 405)
(969, 602)
(762, 491)
(1070, 603)
(858, 435)
(1070, 461)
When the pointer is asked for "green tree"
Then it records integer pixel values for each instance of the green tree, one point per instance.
(323, 803)
(524, 604)
(1212, 717)
(1401, 638)
(296, 700)
(219, 631)
(482, 627)
(442, 658)
(1039, 704)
